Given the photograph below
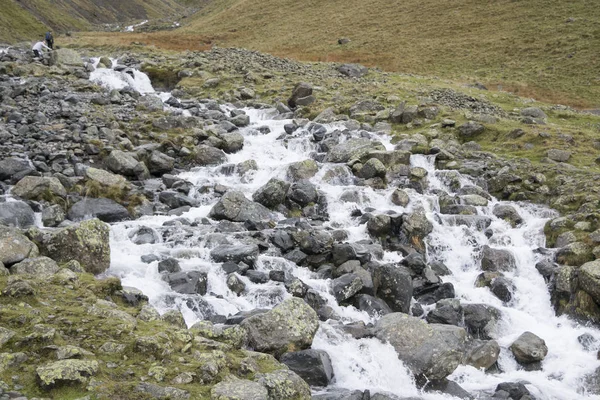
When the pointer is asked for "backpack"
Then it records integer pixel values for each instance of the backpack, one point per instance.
(48, 36)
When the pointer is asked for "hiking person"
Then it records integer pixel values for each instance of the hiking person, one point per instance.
(37, 49)
(50, 40)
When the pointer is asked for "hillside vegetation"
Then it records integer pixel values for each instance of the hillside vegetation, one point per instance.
(28, 19)
(540, 48)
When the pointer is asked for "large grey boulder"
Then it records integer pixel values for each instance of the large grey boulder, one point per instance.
(272, 193)
(558, 155)
(393, 284)
(208, 155)
(106, 210)
(302, 90)
(480, 320)
(470, 129)
(533, 112)
(238, 389)
(430, 350)
(314, 366)
(529, 348)
(290, 326)
(346, 286)
(416, 226)
(162, 392)
(188, 282)
(65, 56)
(86, 242)
(299, 170)
(38, 266)
(353, 70)
(16, 213)
(160, 163)
(15, 247)
(589, 279)
(495, 260)
(231, 142)
(234, 206)
(303, 192)
(507, 213)
(38, 188)
(66, 372)
(482, 354)
(353, 149)
(247, 253)
(284, 384)
(122, 163)
(105, 179)
(14, 168)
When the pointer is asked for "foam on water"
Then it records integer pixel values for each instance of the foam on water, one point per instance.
(368, 363)
(111, 79)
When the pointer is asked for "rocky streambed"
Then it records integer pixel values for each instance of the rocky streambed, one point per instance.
(263, 255)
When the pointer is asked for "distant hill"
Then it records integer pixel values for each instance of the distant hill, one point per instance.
(28, 19)
(542, 48)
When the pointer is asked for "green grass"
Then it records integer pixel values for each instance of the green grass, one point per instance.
(529, 47)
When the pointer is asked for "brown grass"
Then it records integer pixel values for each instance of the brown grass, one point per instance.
(164, 40)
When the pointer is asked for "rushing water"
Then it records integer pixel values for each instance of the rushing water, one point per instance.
(369, 363)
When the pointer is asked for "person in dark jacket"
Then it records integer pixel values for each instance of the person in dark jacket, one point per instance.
(50, 40)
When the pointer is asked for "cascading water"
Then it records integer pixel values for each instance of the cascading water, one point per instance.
(365, 363)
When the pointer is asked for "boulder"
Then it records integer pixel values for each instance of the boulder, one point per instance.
(16, 213)
(303, 192)
(289, 326)
(122, 163)
(174, 199)
(15, 247)
(106, 210)
(160, 163)
(480, 320)
(346, 286)
(238, 389)
(66, 372)
(352, 149)
(558, 155)
(446, 311)
(300, 91)
(284, 384)
(482, 354)
(106, 179)
(529, 348)
(589, 279)
(53, 215)
(13, 169)
(208, 155)
(507, 213)
(352, 70)
(302, 170)
(86, 242)
(400, 198)
(430, 350)
(234, 206)
(496, 260)
(393, 284)
(162, 392)
(373, 168)
(247, 253)
(189, 282)
(38, 266)
(533, 112)
(66, 57)
(372, 305)
(39, 188)
(314, 366)
(470, 129)
(272, 193)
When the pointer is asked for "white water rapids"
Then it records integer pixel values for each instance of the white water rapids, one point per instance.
(368, 363)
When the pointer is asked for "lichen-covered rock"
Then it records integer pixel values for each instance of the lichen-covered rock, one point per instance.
(290, 326)
(352, 149)
(39, 266)
(15, 247)
(208, 155)
(589, 279)
(67, 372)
(238, 389)
(37, 188)
(234, 206)
(5, 335)
(302, 170)
(162, 392)
(482, 354)
(508, 213)
(18, 289)
(272, 193)
(86, 242)
(430, 350)
(106, 179)
(285, 385)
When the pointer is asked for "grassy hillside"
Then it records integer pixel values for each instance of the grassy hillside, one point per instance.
(546, 49)
(28, 19)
